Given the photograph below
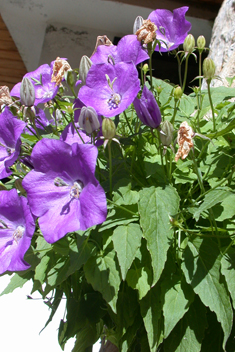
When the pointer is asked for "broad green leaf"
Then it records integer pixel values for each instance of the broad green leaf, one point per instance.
(41, 269)
(123, 193)
(212, 198)
(228, 270)
(16, 281)
(151, 307)
(86, 337)
(226, 210)
(140, 279)
(187, 106)
(79, 256)
(120, 216)
(103, 274)
(156, 206)
(126, 241)
(188, 333)
(201, 267)
(127, 339)
(213, 338)
(177, 297)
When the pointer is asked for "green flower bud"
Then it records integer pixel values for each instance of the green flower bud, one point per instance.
(166, 133)
(84, 67)
(108, 128)
(208, 68)
(177, 93)
(201, 42)
(145, 68)
(88, 119)
(189, 43)
(27, 92)
(137, 24)
(69, 76)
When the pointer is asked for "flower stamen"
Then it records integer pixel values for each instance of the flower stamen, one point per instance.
(18, 234)
(76, 189)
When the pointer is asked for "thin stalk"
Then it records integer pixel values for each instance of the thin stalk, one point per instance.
(179, 70)
(128, 123)
(121, 207)
(110, 168)
(185, 72)
(211, 104)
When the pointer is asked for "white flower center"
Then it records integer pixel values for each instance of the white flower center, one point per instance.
(18, 234)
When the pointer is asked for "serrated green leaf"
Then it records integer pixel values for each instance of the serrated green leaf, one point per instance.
(177, 298)
(189, 332)
(151, 307)
(226, 210)
(120, 216)
(123, 194)
(126, 241)
(86, 337)
(228, 270)
(55, 304)
(201, 267)
(212, 198)
(79, 256)
(16, 281)
(139, 279)
(103, 274)
(156, 205)
(213, 338)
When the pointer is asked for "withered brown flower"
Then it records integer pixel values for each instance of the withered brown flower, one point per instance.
(147, 32)
(5, 97)
(102, 40)
(184, 140)
(59, 68)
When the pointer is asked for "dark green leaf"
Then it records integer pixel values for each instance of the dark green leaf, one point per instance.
(156, 206)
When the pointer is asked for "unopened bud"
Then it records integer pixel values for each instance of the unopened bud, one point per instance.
(137, 24)
(84, 67)
(189, 43)
(145, 68)
(177, 93)
(88, 119)
(166, 133)
(201, 42)
(27, 92)
(108, 128)
(208, 68)
(69, 76)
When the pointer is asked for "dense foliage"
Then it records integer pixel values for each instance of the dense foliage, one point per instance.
(132, 222)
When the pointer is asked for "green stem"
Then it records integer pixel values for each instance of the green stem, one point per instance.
(179, 70)
(211, 104)
(121, 207)
(185, 72)
(110, 168)
(128, 123)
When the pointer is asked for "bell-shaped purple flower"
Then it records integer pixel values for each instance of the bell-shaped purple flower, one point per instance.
(10, 131)
(147, 109)
(174, 27)
(62, 189)
(110, 89)
(16, 230)
(45, 90)
(127, 49)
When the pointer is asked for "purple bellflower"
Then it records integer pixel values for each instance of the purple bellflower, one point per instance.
(127, 49)
(147, 109)
(174, 29)
(11, 129)
(62, 189)
(16, 230)
(110, 89)
(45, 90)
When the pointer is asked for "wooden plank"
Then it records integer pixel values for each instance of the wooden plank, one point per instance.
(7, 45)
(10, 54)
(5, 35)
(13, 73)
(15, 64)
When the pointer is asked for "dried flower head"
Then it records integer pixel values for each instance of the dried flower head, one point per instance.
(147, 32)
(102, 40)
(5, 97)
(59, 68)
(184, 140)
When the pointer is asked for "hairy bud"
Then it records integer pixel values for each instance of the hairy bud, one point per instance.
(108, 128)
(166, 133)
(208, 68)
(201, 42)
(84, 67)
(189, 43)
(88, 119)
(137, 24)
(177, 93)
(27, 92)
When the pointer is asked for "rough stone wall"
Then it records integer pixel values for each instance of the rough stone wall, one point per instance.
(222, 45)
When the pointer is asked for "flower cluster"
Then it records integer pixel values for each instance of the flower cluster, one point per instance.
(53, 160)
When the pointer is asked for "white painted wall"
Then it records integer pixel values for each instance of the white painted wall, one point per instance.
(27, 21)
